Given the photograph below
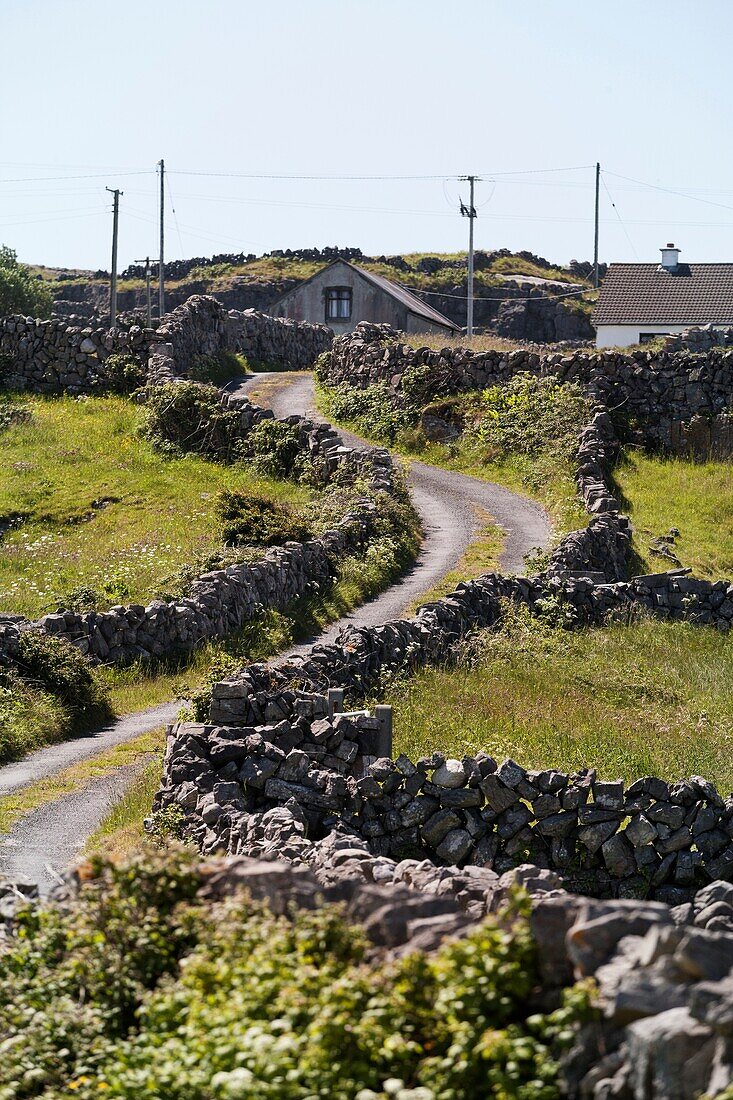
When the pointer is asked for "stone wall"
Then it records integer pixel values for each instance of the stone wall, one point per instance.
(55, 357)
(660, 391)
(220, 602)
(282, 342)
(203, 327)
(648, 839)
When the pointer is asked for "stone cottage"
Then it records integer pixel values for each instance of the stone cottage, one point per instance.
(343, 294)
(640, 301)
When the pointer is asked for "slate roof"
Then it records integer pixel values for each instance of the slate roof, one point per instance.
(645, 294)
(405, 297)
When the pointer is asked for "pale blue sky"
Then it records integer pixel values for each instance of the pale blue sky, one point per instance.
(365, 87)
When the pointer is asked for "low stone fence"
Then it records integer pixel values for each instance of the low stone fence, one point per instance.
(660, 390)
(220, 602)
(203, 327)
(58, 357)
(55, 357)
(362, 658)
(294, 345)
(648, 839)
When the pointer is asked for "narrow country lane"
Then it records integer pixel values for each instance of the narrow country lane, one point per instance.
(46, 840)
(447, 503)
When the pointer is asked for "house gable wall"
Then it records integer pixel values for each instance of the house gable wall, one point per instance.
(369, 303)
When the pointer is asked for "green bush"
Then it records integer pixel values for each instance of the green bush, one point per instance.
(29, 717)
(248, 519)
(60, 670)
(527, 415)
(20, 291)
(216, 369)
(12, 414)
(188, 416)
(371, 410)
(124, 373)
(142, 988)
(275, 450)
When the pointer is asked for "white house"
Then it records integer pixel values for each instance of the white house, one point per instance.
(637, 302)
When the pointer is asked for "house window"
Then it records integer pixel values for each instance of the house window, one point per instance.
(647, 337)
(338, 303)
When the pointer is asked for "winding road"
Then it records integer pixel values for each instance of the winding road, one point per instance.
(449, 504)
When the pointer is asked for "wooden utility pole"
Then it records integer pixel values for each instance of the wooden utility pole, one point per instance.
(113, 281)
(161, 277)
(595, 245)
(148, 300)
(470, 213)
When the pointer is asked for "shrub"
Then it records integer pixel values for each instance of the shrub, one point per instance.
(216, 369)
(142, 987)
(371, 410)
(29, 717)
(60, 669)
(188, 416)
(20, 292)
(527, 415)
(11, 414)
(124, 373)
(276, 452)
(250, 519)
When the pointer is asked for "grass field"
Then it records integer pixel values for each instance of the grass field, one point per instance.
(694, 497)
(646, 699)
(94, 504)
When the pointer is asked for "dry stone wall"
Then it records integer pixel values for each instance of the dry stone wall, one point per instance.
(220, 602)
(659, 390)
(58, 357)
(648, 839)
(55, 357)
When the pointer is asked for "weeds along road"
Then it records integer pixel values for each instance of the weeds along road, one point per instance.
(48, 838)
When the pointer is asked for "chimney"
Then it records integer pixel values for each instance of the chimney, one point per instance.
(670, 258)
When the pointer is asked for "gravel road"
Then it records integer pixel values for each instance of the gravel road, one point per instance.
(50, 837)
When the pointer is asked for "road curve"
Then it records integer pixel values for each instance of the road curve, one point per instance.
(49, 838)
(446, 501)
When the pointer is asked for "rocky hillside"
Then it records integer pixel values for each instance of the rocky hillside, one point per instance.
(517, 294)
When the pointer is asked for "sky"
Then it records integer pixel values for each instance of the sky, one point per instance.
(288, 124)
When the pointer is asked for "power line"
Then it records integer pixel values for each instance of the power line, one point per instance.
(621, 222)
(671, 191)
(482, 298)
(87, 176)
(175, 216)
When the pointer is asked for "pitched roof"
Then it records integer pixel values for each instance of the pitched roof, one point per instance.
(645, 294)
(405, 297)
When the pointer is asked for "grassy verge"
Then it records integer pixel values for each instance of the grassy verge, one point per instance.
(695, 498)
(121, 831)
(17, 805)
(645, 699)
(481, 556)
(93, 504)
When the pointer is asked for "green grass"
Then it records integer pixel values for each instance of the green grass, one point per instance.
(695, 497)
(650, 698)
(121, 831)
(75, 452)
